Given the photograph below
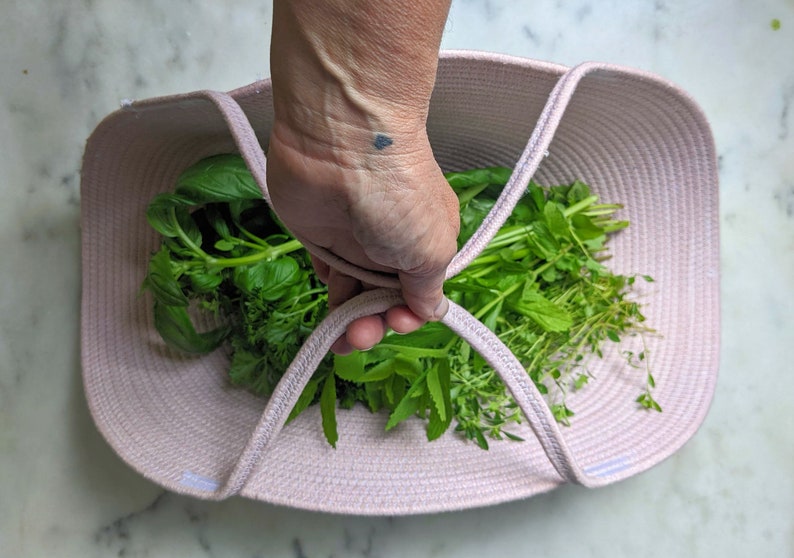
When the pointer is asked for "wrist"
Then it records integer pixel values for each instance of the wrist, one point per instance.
(354, 137)
(354, 75)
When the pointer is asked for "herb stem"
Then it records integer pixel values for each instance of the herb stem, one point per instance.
(470, 193)
(183, 236)
(579, 206)
(271, 253)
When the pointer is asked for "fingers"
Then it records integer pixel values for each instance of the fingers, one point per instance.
(422, 292)
(321, 268)
(365, 333)
(362, 334)
(402, 320)
(341, 288)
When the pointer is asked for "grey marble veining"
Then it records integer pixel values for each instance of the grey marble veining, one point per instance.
(63, 492)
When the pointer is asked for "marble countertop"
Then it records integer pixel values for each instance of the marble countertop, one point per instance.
(63, 492)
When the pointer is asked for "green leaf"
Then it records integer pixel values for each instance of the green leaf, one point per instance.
(480, 439)
(188, 225)
(577, 192)
(436, 392)
(432, 335)
(542, 242)
(550, 275)
(244, 367)
(217, 221)
(555, 220)
(584, 228)
(271, 278)
(393, 390)
(160, 213)
(202, 282)
(545, 313)
(379, 372)
(441, 411)
(238, 208)
(349, 367)
(613, 336)
(647, 401)
(375, 394)
(222, 178)
(473, 177)
(471, 217)
(162, 282)
(538, 196)
(224, 245)
(562, 413)
(406, 368)
(514, 437)
(328, 410)
(493, 316)
(407, 407)
(409, 404)
(176, 328)
(306, 398)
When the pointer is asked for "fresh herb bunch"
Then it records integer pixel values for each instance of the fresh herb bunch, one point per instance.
(540, 285)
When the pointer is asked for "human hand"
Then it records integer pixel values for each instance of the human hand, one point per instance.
(381, 207)
(350, 167)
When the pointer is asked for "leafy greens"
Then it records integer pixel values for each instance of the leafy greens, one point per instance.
(540, 285)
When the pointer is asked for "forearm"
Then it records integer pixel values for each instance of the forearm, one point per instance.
(354, 72)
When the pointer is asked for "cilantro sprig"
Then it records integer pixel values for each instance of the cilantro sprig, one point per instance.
(541, 285)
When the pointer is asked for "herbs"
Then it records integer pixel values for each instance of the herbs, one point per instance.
(540, 285)
(225, 252)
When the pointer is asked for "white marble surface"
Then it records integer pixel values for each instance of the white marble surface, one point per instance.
(64, 65)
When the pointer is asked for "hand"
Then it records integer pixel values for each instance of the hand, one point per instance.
(349, 164)
(381, 207)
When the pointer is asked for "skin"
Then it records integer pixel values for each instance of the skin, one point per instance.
(350, 166)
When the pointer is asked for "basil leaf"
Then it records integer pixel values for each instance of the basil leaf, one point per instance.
(188, 225)
(176, 328)
(217, 221)
(202, 283)
(222, 178)
(271, 278)
(162, 282)
(161, 216)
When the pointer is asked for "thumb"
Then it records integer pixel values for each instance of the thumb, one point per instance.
(423, 293)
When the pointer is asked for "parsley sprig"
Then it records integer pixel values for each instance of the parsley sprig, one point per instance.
(541, 285)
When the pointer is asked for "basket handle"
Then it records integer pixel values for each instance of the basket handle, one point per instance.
(484, 341)
(460, 321)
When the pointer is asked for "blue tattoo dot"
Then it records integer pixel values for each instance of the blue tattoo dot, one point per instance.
(382, 142)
